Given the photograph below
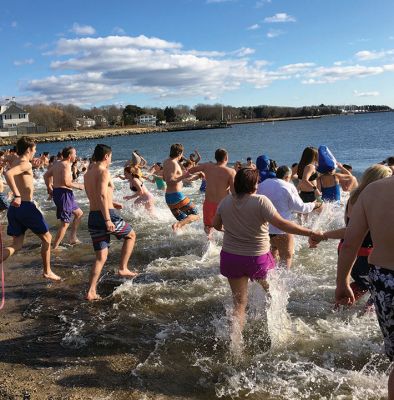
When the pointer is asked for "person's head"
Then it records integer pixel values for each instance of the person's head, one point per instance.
(246, 180)
(309, 156)
(371, 174)
(284, 172)
(69, 153)
(52, 159)
(45, 153)
(237, 165)
(192, 157)
(135, 158)
(157, 167)
(176, 151)
(348, 167)
(26, 146)
(12, 150)
(188, 164)
(221, 156)
(59, 155)
(249, 161)
(102, 153)
(273, 166)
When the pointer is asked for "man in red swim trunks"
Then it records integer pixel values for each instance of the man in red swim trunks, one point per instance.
(220, 181)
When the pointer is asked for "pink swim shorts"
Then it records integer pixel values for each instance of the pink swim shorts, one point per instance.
(234, 266)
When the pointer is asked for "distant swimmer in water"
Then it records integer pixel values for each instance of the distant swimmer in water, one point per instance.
(23, 214)
(245, 254)
(181, 206)
(141, 194)
(219, 181)
(63, 196)
(103, 220)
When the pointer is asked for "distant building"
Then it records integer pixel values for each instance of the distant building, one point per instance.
(12, 115)
(100, 120)
(85, 122)
(146, 119)
(188, 118)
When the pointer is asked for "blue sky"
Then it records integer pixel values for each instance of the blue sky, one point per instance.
(236, 52)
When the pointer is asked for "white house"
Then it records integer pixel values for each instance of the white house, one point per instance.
(85, 122)
(188, 118)
(146, 119)
(12, 114)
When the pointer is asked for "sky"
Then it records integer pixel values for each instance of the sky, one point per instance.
(161, 53)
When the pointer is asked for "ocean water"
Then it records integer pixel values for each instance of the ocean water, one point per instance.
(174, 317)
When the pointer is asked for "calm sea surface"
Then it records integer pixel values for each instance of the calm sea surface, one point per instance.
(174, 317)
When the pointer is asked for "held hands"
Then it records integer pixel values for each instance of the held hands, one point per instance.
(315, 238)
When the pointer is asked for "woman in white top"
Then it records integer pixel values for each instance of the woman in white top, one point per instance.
(246, 254)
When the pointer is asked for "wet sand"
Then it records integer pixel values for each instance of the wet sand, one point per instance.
(33, 361)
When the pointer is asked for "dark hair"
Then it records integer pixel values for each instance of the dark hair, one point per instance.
(52, 159)
(176, 150)
(283, 171)
(245, 180)
(249, 159)
(23, 144)
(188, 163)
(347, 166)
(220, 155)
(13, 149)
(389, 161)
(46, 153)
(294, 165)
(309, 155)
(100, 151)
(273, 166)
(67, 151)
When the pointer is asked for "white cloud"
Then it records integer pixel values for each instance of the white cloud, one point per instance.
(367, 55)
(261, 3)
(28, 61)
(366, 94)
(295, 68)
(82, 30)
(118, 30)
(244, 51)
(273, 33)
(280, 17)
(253, 27)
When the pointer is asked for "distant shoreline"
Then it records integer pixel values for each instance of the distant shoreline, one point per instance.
(51, 137)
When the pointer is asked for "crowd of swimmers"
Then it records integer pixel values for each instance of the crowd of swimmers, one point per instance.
(253, 204)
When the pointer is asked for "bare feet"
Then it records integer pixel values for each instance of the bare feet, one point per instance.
(175, 227)
(92, 297)
(52, 276)
(126, 273)
(75, 241)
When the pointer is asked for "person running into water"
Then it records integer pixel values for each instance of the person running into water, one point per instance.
(307, 175)
(23, 213)
(360, 270)
(246, 244)
(103, 221)
(141, 194)
(373, 212)
(181, 206)
(285, 198)
(63, 196)
(220, 180)
(156, 172)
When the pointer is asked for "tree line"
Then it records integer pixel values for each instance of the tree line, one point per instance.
(57, 117)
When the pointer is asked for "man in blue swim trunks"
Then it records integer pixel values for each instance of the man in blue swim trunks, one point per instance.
(63, 196)
(181, 206)
(23, 213)
(103, 220)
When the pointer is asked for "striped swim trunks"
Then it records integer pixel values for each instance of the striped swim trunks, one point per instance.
(98, 231)
(180, 205)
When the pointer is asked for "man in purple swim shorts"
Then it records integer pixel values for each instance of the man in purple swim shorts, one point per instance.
(63, 196)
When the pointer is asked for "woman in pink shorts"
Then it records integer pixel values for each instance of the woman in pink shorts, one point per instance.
(245, 254)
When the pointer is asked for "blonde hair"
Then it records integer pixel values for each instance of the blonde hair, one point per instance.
(371, 174)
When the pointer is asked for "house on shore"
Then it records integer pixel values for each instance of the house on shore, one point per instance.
(12, 117)
(146, 119)
(85, 123)
(188, 118)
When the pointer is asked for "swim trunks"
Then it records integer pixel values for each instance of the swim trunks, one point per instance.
(234, 266)
(180, 205)
(308, 197)
(98, 230)
(4, 203)
(26, 216)
(65, 204)
(382, 291)
(209, 212)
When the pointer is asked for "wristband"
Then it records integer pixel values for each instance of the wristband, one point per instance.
(16, 196)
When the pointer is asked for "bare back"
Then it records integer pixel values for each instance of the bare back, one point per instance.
(171, 172)
(99, 187)
(61, 172)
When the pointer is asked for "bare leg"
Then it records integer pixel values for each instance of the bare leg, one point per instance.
(209, 231)
(188, 220)
(285, 245)
(391, 385)
(46, 257)
(60, 234)
(239, 288)
(17, 243)
(101, 258)
(74, 226)
(127, 249)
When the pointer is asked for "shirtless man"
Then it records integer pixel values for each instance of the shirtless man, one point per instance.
(23, 213)
(63, 196)
(220, 180)
(373, 212)
(181, 207)
(103, 220)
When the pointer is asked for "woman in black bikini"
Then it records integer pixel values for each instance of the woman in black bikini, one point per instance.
(307, 175)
